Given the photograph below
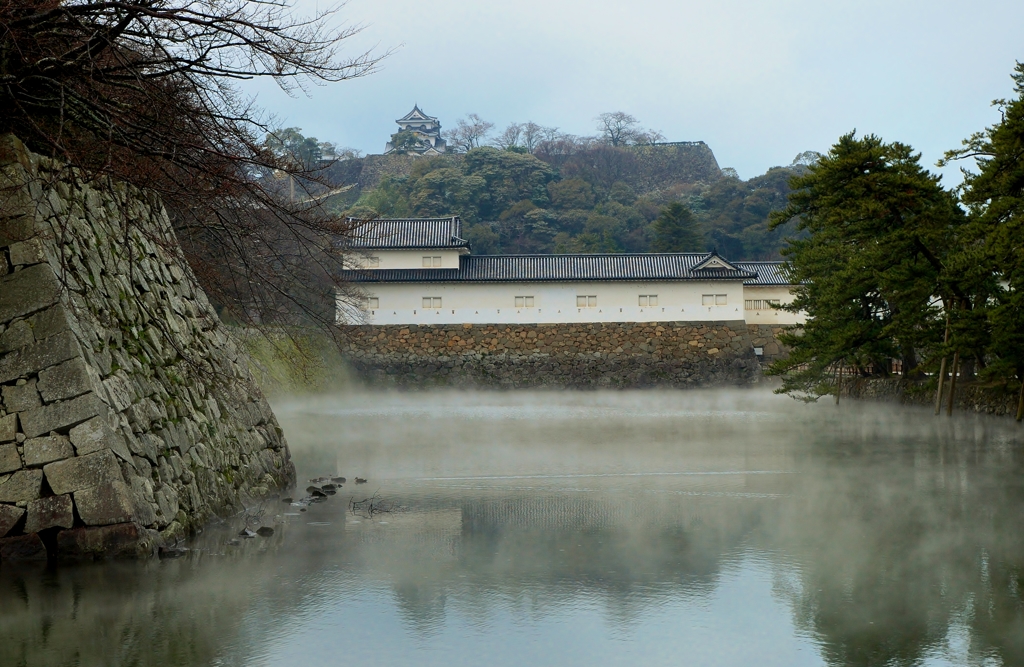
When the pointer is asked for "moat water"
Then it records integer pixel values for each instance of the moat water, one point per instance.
(653, 528)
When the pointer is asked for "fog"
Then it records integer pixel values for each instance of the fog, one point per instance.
(708, 527)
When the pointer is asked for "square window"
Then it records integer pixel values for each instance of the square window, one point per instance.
(529, 302)
(643, 300)
(427, 262)
(372, 262)
(520, 301)
(592, 302)
(720, 299)
(436, 302)
(707, 299)
(652, 299)
(372, 303)
(426, 302)
(581, 302)
(436, 260)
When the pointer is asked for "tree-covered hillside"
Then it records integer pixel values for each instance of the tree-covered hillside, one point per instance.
(515, 202)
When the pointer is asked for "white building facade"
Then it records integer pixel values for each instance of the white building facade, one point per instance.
(420, 271)
(425, 130)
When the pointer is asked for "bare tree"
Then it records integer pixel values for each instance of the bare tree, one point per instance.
(559, 145)
(617, 128)
(534, 135)
(142, 90)
(468, 133)
(509, 137)
(649, 137)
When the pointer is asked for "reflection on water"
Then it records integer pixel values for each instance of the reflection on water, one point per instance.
(717, 528)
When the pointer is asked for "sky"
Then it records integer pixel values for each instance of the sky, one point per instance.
(758, 81)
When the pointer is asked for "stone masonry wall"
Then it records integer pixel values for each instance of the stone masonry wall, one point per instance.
(127, 413)
(766, 337)
(970, 397)
(673, 354)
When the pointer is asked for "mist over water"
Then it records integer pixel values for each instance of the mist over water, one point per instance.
(569, 528)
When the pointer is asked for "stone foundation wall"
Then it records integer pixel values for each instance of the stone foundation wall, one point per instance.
(766, 337)
(127, 412)
(672, 354)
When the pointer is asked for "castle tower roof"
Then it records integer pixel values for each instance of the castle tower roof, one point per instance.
(415, 114)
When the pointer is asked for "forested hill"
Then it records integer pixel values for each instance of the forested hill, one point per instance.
(602, 199)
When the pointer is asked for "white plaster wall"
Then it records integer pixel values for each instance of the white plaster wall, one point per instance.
(494, 303)
(408, 259)
(771, 316)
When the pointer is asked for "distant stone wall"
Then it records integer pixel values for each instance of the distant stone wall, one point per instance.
(127, 412)
(969, 397)
(611, 354)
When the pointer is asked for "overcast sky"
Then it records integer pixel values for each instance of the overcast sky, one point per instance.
(759, 81)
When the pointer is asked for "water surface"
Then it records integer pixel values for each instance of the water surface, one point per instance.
(655, 528)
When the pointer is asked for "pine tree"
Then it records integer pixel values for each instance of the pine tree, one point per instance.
(676, 230)
(994, 248)
(877, 229)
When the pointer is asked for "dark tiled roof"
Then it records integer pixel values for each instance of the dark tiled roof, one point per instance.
(768, 273)
(558, 268)
(415, 114)
(407, 233)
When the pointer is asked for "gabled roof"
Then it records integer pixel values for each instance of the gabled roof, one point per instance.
(714, 261)
(768, 273)
(415, 114)
(560, 268)
(405, 233)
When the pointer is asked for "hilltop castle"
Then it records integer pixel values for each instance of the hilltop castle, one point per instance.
(418, 134)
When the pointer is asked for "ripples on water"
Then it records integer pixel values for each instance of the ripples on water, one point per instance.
(659, 528)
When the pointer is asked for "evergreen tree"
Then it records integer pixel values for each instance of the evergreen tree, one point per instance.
(676, 230)
(877, 229)
(994, 249)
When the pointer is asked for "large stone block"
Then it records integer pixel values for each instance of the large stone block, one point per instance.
(47, 449)
(57, 416)
(50, 512)
(29, 251)
(26, 291)
(126, 540)
(49, 322)
(8, 428)
(22, 397)
(23, 548)
(105, 504)
(167, 502)
(17, 336)
(42, 354)
(142, 508)
(21, 486)
(95, 435)
(83, 472)
(9, 518)
(16, 228)
(10, 460)
(65, 380)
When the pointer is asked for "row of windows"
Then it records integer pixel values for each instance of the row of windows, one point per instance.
(590, 301)
(759, 304)
(429, 261)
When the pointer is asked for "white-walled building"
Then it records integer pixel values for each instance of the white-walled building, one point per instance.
(421, 271)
